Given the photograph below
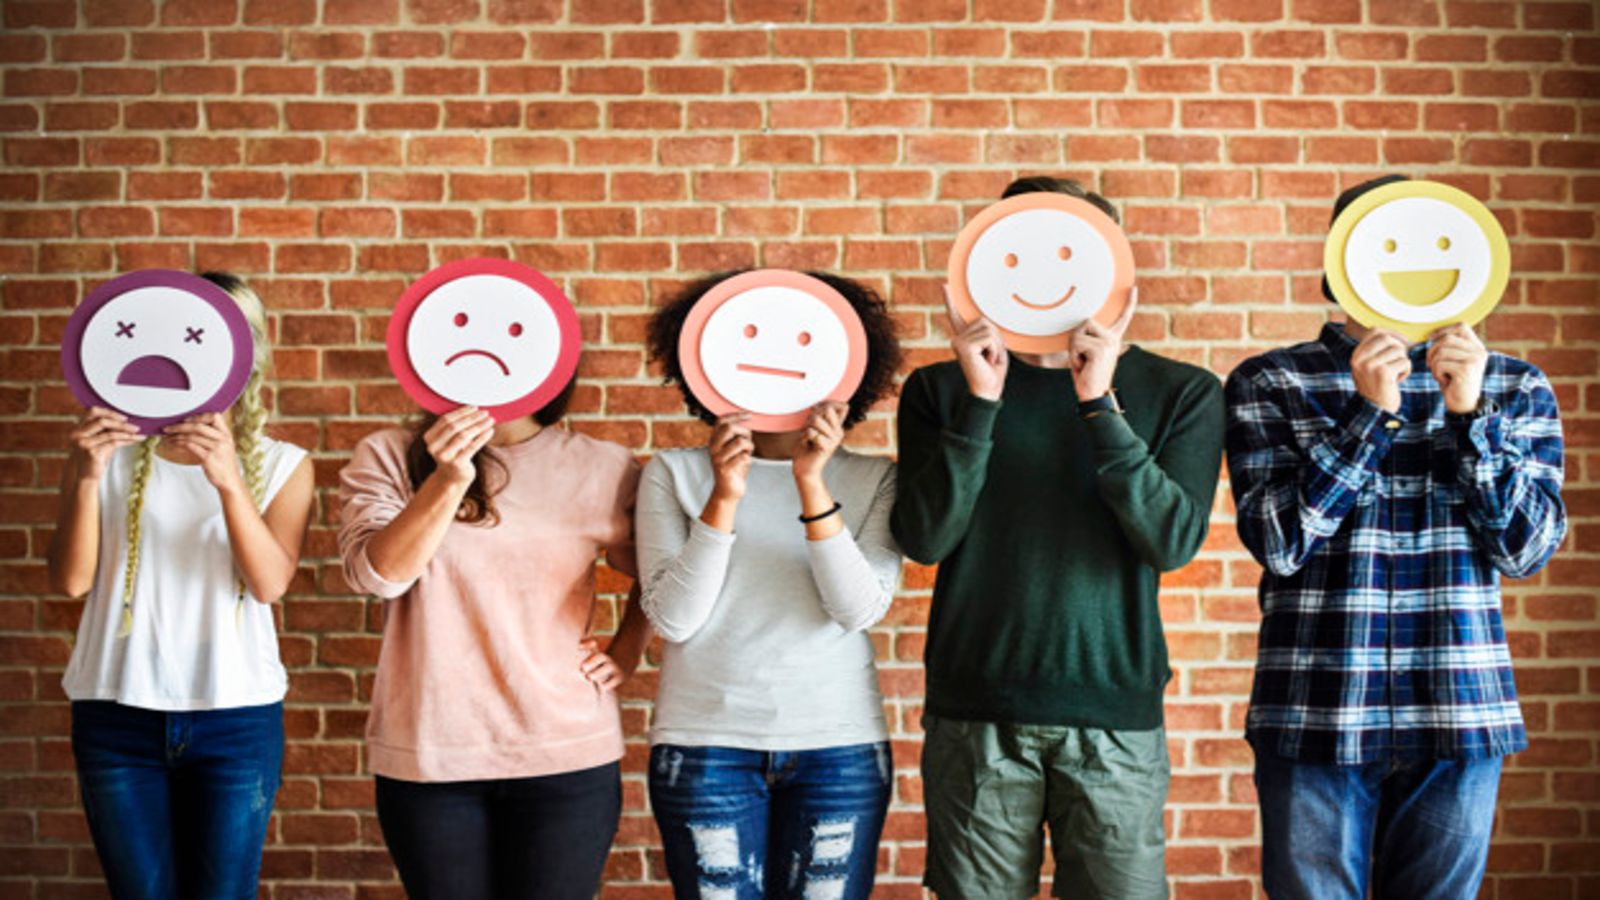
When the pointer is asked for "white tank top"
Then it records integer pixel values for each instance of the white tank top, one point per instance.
(193, 646)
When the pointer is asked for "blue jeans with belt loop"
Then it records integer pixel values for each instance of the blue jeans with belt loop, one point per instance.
(178, 802)
(747, 824)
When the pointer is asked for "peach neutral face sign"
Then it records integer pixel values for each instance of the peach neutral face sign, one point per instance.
(1415, 256)
(1039, 265)
(772, 343)
(484, 332)
(157, 346)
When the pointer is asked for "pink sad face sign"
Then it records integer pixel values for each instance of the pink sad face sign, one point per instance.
(484, 332)
(772, 343)
(157, 346)
(1039, 265)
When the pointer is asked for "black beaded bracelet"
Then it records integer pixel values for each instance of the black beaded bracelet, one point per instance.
(820, 516)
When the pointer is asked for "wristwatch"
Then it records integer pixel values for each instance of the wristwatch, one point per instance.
(1484, 408)
(1108, 403)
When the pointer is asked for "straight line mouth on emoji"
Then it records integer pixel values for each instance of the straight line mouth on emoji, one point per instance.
(504, 369)
(769, 370)
(154, 372)
(1420, 287)
(1042, 307)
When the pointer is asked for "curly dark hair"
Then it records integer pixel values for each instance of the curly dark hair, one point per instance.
(1034, 184)
(883, 348)
(477, 505)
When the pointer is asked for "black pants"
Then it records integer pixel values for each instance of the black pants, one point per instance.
(544, 837)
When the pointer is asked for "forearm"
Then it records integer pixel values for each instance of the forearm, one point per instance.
(856, 591)
(679, 593)
(816, 500)
(266, 565)
(1162, 505)
(1291, 500)
(402, 549)
(75, 544)
(1512, 490)
(942, 471)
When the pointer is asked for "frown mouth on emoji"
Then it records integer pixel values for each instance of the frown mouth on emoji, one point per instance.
(1042, 307)
(769, 370)
(1422, 287)
(504, 369)
(154, 372)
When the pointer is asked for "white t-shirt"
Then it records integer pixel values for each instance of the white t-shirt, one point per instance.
(194, 646)
(766, 643)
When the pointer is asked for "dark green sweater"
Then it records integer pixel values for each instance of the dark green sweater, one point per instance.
(1050, 532)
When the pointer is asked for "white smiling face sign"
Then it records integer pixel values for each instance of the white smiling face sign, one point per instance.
(1415, 256)
(772, 343)
(487, 333)
(157, 346)
(1039, 265)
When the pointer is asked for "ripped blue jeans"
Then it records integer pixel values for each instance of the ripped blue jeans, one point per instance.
(747, 824)
(178, 802)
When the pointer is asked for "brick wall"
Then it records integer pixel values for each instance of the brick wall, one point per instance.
(332, 150)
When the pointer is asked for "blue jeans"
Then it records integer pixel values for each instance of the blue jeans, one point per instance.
(746, 824)
(1412, 830)
(178, 803)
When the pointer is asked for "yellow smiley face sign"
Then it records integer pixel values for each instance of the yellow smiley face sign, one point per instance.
(1415, 256)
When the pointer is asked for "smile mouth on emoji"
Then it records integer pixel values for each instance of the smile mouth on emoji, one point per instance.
(154, 372)
(1421, 287)
(497, 361)
(1041, 307)
(768, 370)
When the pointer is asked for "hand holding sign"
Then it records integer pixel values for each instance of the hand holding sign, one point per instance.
(98, 435)
(484, 332)
(824, 433)
(455, 438)
(731, 448)
(1094, 350)
(1457, 359)
(1378, 364)
(980, 350)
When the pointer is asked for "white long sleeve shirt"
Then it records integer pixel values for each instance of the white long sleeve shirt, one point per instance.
(766, 630)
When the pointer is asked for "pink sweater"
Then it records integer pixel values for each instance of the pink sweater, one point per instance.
(478, 678)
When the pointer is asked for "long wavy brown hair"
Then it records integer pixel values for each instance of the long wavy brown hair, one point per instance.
(490, 477)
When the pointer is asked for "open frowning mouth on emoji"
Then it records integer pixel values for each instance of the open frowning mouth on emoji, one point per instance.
(1422, 287)
(154, 372)
(497, 360)
(769, 370)
(1041, 307)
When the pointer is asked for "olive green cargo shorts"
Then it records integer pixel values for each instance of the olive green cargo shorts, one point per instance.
(990, 789)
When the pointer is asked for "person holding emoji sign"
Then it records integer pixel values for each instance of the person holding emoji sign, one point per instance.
(1386, 475)
(495, 732)
(180, 525)
(1053, 473)
(765, 557)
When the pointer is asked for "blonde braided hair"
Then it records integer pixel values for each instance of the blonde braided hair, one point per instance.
(249, 429)
(130, 572)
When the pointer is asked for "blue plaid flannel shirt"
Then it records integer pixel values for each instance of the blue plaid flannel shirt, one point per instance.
(1384, 538)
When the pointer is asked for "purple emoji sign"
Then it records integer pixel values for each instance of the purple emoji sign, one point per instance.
(157, 346)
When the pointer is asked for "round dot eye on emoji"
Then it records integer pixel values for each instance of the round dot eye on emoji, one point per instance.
(1416, 256)
(1038, 265)
(802, 344)
(158, 346)
(489, 333)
